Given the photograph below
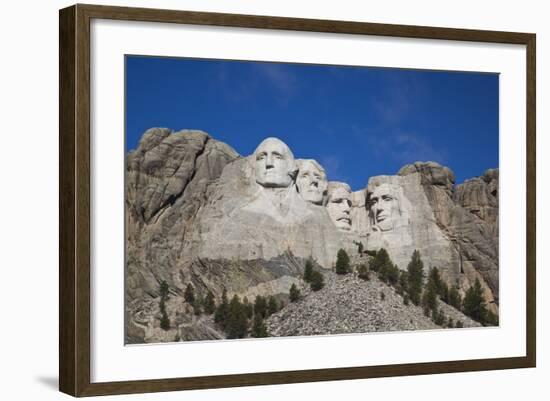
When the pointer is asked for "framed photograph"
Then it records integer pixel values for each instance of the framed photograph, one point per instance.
(249, 200)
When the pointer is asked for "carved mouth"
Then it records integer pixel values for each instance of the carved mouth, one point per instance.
(382, 217)
(344, 219)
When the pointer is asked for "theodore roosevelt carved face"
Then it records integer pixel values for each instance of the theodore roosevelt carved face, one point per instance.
(311, 181)
(339, 204)
(274, 164)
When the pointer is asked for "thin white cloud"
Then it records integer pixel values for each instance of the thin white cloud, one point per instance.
(279, 77)
(400, 147)
(332, 167)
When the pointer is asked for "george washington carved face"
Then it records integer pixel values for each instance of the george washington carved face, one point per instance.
(274, 164)
(311, 181)
(339, 204)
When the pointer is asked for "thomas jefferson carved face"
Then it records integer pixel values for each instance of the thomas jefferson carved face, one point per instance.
(384, 207)
(274, 164)
(311, 181)
(339, 204)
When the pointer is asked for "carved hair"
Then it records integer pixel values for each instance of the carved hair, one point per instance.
(302, 162)
(334, 185)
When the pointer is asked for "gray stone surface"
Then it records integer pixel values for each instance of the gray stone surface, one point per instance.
(245, 221)
(479, 196)
(166, 181)
(339, 203)
(470, 248)
(198, 213)
(311, 181)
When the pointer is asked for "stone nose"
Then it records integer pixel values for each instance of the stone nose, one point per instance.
(269, 161)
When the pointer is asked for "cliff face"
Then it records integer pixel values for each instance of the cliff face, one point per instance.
(471, 238)
(480, 197)
(243, 221)
(455, 229)
(166, 182)
(197, 213)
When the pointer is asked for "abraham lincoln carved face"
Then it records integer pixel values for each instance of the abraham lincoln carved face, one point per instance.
(384, 207)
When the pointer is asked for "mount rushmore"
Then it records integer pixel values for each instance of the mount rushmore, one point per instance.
(198, 212)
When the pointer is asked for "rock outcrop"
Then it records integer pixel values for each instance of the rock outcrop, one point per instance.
(166, 181)
(417, 209)
(199, 213)
(479, 196)
(473, 238)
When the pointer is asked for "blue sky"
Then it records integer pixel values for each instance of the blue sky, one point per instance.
(356, 121)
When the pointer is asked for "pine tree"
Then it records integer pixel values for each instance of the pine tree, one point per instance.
(363, 272)
(189, 294)
(455, 299)
(308, 270)
(260, 306)
(474, 303)
(317, 281)
(220, 316)
(392, 274)
(415, 277)
(272, 306)
(459, 324)
(209, 303)
(294, 293)
(342, 262)
(360, 248)
(164, 321)
(164, 290)
(380, 262)
(438, 317)
(259, 328)
(429, 298)
(197, 306)
(435, 278)
(445, 293)
(237, 323)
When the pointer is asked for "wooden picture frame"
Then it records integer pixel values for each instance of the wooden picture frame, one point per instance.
(75, 207)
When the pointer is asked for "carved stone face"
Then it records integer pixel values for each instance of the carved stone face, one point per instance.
(311, 181)
(339, 205)
(384, 206)
(274, 164)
